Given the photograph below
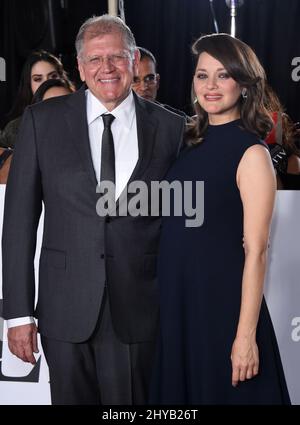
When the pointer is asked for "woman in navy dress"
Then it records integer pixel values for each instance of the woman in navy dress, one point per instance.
(217, 344)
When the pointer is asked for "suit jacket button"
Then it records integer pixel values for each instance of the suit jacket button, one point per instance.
(102, 256)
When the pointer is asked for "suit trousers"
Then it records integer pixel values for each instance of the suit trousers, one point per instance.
(102, 370)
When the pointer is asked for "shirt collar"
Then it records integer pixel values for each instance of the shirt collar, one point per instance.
(124, 112)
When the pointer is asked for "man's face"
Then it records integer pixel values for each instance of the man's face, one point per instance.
(107, 67)
(146, 81)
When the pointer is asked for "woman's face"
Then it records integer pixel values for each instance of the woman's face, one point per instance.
(40, 72)
(217, 93)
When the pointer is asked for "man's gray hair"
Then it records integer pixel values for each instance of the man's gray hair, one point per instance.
(105, 24)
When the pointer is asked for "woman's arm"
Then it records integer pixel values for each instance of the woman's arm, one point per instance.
(257, 184)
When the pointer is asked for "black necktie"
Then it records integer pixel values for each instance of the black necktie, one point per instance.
(107, 172)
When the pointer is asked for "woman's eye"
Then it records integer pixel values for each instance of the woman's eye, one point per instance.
(37, 80)
(201, 76)
(224, 75)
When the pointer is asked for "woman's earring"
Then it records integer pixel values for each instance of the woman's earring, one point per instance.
(195, 100)
(244, 93)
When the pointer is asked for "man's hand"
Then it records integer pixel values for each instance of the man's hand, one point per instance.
(22, 342)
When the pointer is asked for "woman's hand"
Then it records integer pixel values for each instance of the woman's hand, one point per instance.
(244, 359)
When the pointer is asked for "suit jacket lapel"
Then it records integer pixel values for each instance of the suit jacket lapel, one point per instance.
(77, 121)
(146, 132)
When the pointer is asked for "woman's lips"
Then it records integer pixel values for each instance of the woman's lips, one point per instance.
(212, 97)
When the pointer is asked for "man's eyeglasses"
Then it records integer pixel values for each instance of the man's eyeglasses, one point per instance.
(97, 61)
(148, 79)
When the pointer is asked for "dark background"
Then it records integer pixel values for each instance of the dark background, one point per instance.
(166, 27)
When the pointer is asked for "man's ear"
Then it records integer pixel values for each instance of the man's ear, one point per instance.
(136, 61)
(81, 69)
(157, 80)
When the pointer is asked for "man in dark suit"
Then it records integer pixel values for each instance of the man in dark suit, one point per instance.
(97, 304)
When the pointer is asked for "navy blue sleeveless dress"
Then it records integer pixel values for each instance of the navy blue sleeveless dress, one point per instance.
(200, 278)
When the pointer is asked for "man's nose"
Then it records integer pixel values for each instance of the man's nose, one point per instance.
(107, 64)
(144, 86)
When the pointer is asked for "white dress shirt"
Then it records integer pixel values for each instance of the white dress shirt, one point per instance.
(124, 133)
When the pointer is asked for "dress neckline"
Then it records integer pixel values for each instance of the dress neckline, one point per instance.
(225, 125)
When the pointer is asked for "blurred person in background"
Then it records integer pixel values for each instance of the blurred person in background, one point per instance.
(52, 88)
(283, 142)
(146, 81)
(48, 89)
(39, 67)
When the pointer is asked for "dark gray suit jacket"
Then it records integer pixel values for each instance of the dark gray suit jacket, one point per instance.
(81, 252)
